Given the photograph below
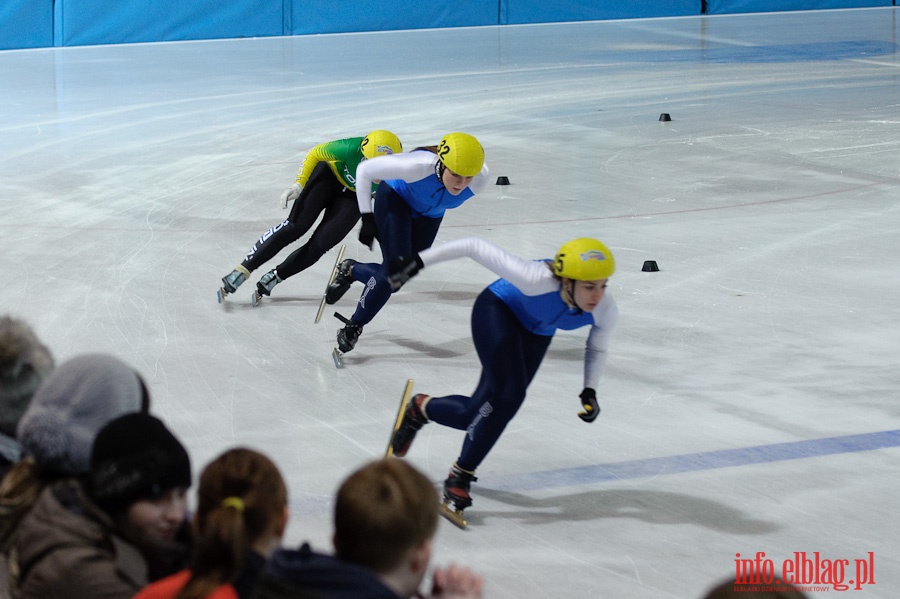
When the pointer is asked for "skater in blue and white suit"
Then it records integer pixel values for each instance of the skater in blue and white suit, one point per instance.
(415, 190)
(513, 322)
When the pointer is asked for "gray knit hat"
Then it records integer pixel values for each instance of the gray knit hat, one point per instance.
(24, 363)
(72, 405)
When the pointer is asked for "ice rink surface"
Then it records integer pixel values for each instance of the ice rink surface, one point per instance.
(750, 402)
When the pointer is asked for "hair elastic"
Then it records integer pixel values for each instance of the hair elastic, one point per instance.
(236, 502)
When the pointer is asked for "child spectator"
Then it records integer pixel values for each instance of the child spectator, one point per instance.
(385, 517)
(241, 517)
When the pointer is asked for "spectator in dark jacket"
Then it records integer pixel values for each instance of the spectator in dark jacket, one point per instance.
(57, 431)
(107, 536)
(385, 517)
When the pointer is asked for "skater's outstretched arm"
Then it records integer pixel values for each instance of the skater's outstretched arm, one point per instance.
(531, 277)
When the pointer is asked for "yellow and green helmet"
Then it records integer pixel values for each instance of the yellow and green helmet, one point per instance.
(380, 142)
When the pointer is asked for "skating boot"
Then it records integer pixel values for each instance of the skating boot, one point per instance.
(341, 283)
(265, 285)
(413, 420)
(232, 281)
(348, 336)
(456, 495)
(346, 339)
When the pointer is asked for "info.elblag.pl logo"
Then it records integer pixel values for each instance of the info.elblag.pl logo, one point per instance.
(808, 572)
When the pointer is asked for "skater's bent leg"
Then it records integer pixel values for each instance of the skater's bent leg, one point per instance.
(424, 231)
(339, 219)
(375, 295)
(394, 220)
(363, 271)
(270, 243)
(321, 188)
(510, 356)
(455, 411)
(481, 436)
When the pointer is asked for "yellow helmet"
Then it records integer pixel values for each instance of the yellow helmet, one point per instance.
(380, 142)
(584, 259)
(461, 153)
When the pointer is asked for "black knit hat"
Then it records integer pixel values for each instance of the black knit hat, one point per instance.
(136, 457)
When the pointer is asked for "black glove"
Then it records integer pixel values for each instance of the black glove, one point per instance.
(402, 269)
(590, 405)
(369, 230)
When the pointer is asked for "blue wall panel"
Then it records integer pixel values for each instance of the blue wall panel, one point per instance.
(513, 12)
(331, 16)
(26, 24)
(87, 22)
(41, 23)
(740, 6)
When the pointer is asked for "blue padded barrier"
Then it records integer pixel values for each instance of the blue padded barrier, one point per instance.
(328, 16)
(26, 24)
(514, 12)
(741, 6)
(88, 22)
(41, 23)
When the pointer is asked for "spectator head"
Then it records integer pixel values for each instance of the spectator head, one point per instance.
(141, 472)
(241, 505)
(384, 519)
(24, 363)
(72, 405)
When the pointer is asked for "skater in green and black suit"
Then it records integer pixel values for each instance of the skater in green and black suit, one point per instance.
(325, 182)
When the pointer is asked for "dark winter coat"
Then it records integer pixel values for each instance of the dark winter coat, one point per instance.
(65, 548)
(303, 574)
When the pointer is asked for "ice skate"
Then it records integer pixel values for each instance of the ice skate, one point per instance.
(265, 285)
(232, 281)
(346, 339)
(456, 495)
(414, 418)
(334, 272)
(340, 283)
(404, 402)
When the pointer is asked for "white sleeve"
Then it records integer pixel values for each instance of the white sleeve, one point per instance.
(529, 276)
(606, 314)
(410, 167)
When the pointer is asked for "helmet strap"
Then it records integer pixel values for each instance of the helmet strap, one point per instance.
(567, 292)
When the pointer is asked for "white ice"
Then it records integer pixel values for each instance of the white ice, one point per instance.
(132, 178)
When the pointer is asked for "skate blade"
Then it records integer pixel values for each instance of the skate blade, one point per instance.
(256, 298)
(220, 295)
(404, 401)
(321, 310)
(338, 358)
(454, 515)
(334, 271)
